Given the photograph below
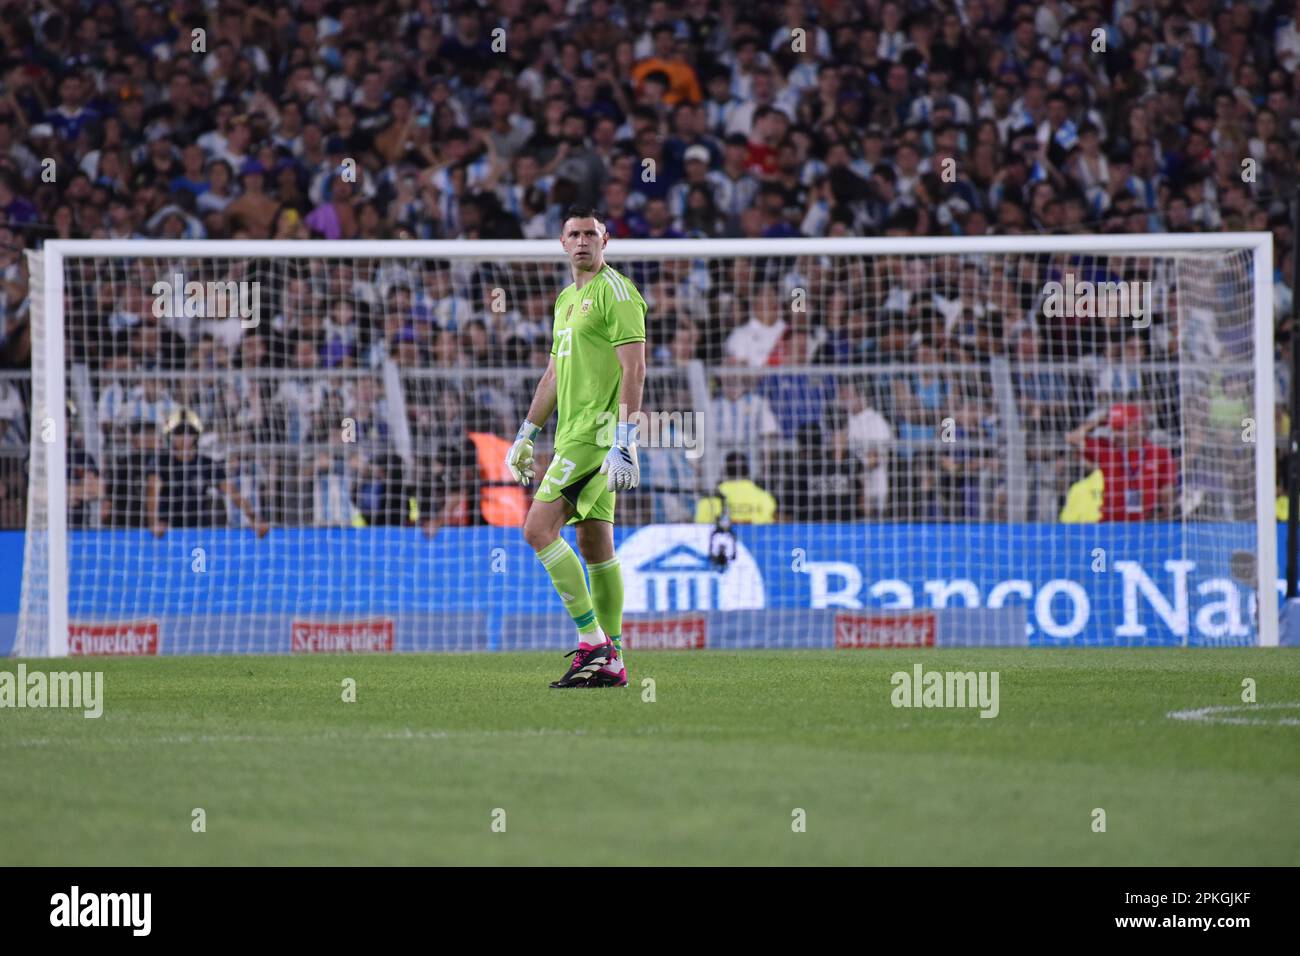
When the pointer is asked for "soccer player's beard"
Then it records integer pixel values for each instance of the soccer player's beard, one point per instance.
(589, 264)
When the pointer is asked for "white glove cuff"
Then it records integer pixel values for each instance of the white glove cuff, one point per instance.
(626, 434)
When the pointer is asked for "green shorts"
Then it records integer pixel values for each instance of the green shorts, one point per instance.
(575, 475)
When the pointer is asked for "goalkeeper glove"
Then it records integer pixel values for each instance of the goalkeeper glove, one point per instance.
(620, 464)
(520, 457)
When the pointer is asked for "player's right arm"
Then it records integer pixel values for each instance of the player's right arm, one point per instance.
(519, 459)
(544, 398)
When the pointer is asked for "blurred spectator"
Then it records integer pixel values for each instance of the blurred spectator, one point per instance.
(85, 489)
(658, 224)
(668, 475)
(742, 419)
(965, 453)
(682, 347)
(796, 397)
(183, 488)
(1120, 377)
(747, 503)
(678, 77)
(15, 331)
(825, 481)
(1083, 500)
(126, 477)
(920, 399)
(254, 211)
(451, 485)
(379, 492)
(501, 500)
(149, 401)
(869, 437)
(1139, 476)
(752, 343)
(1230, 413)
(13, 417)
(734, 188)
(304, 399)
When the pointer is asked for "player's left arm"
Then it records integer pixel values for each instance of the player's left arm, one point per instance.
(631, 357)
(625, 325)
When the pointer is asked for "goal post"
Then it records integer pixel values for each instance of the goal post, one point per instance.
(952, 517)
(43, 607)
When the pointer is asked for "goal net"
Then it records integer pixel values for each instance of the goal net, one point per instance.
(244, 447)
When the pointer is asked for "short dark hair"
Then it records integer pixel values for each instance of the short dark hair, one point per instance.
(737, 465)
(581, 211)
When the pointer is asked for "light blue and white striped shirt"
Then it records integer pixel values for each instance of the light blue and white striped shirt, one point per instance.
(742, 424)
(733, 196)
(669, 468)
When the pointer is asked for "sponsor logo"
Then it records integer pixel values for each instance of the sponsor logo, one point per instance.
(120, 638)
(102, 909)
(666, 568)
(1059, 608)
(915, 629)
(342, 637)
(686, 633)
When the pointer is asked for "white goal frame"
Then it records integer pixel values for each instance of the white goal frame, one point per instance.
(51, 418)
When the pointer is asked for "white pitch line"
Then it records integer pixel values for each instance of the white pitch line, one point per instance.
(1210, 715)
(404, 734)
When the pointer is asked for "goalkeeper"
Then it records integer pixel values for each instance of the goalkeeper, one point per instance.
(595, 376)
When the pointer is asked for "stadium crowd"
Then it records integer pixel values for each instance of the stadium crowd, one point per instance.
(428, 119)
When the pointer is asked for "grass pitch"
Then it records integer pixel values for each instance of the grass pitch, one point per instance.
(417, 770)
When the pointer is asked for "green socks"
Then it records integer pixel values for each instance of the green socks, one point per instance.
(603, 604)
(566, 574)
(607, 597)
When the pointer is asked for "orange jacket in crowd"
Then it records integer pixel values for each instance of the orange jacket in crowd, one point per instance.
(682, 84)
(502, 505)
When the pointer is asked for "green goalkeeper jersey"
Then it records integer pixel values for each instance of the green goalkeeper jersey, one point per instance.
(589, 324)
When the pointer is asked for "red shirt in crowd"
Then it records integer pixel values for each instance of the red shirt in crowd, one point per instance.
(1133, 476)
(761, 159)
